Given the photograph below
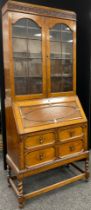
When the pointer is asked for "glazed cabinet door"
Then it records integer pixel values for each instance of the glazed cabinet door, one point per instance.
(61, 57)
(27, 38)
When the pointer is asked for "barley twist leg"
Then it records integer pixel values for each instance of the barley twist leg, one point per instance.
(20, 196)
(87, 169)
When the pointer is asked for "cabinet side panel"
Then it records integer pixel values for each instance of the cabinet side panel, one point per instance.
(12, 136)
(5, 35)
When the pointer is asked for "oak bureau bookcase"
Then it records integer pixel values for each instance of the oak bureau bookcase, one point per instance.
(45, 124)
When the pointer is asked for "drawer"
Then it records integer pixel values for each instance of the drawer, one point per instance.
(70, 132)
(38, 157)
(39, 139)
(71, 148)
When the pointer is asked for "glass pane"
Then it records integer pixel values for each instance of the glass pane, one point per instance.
(19, 46)
(67, 50)
(56, 74)
(66, 34)
(19, 29)
(34, 33)
(21, 85)
(55, 33)
(34, 48)
(61, 54)
(55, 50)
(20, 68)
(27, 55)
(35, 75)
(35, 68)
(67, 75)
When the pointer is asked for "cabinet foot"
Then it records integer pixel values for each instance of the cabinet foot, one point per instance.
(21, 205)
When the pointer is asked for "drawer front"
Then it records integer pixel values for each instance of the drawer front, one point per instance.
(40, 139)
(70, 132)
(70, 148)
(38, 157)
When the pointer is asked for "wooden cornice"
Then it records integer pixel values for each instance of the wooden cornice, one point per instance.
(39, 10)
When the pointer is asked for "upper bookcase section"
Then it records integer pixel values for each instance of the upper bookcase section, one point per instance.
(40, 59)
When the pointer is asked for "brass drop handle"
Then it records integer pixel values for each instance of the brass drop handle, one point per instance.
(41, 156)
(72, 148)
(41, 140)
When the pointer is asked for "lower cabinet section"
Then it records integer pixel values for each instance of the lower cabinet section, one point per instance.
(49, 149)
